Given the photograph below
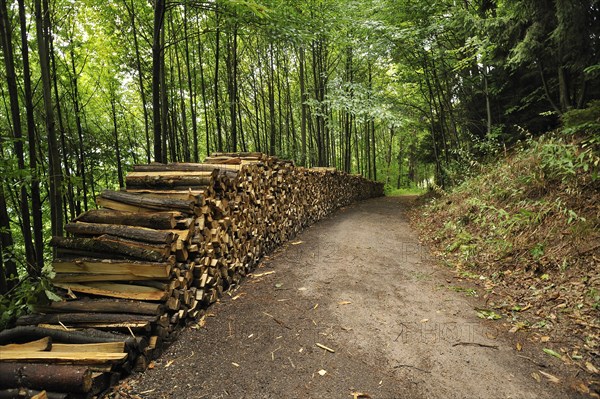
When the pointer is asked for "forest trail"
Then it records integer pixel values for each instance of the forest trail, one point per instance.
(360, 284)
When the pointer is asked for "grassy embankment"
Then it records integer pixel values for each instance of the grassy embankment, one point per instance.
(527, 230)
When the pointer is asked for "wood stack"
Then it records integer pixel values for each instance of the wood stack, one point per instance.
(161, 251)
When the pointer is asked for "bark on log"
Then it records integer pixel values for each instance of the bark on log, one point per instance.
(170, 179)
(149, 202)
(133, 233)
(29, 333)
(109, 246)
(157, 220)
(59, 378)
(24, 393)
(82, 318)
(104, 305)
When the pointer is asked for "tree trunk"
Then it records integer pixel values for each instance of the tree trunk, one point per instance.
(192, 93)
(36, 202)
(42, 18)
(302, 106)
(216, 83)
(81, 158)
(159, 14)
(140, 77)
(11, 79)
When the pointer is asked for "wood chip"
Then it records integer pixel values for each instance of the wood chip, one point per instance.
(325, 348)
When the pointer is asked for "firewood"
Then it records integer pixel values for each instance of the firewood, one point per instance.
(107, 246)
(103, 305)
(51, 377)
(144, 234)
(112, 267)
(155, 220)
(80, 358)
(42, 344)
(114, 290)
(107, 347)
(148, 202)
(82, 318)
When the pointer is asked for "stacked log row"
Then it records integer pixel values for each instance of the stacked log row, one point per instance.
(164, 249)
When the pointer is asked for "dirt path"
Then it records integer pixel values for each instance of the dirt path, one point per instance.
(358, 283)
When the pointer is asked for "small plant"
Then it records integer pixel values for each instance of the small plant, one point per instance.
(537, 251)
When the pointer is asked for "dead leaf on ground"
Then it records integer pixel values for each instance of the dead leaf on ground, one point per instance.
(235, 364)
(297, 242)
(545, 339)
(550, 377)
(536, 377)
(519, 347)
(360, 395)
(344, 303)
(170, 362)
(591, 368)
(322, 372)
(424, 320)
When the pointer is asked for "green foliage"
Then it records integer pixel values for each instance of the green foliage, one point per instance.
(23, 298)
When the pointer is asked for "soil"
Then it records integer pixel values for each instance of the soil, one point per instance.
(359, 283)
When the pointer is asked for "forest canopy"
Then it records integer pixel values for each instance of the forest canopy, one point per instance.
(406, 92)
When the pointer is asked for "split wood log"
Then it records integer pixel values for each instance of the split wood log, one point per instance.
(114, 267)
(104, 305)
(82, 318)
(147, 202)
(42, 344)
(110, 246)
(50, 377)
(156, 220)
(115, 290)
(25, 393)
(133, 233)
(169, 179)
(79, 358)
(106, 347)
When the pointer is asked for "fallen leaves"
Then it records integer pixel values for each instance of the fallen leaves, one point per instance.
(550, 377)
(344, 303)
(552, 353)
(487, 314)
(591, 368)
(360, 395)
(322, 372)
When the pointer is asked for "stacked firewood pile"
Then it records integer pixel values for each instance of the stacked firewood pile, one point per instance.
(157, 254)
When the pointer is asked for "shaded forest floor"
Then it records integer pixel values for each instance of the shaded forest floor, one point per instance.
(396, 323)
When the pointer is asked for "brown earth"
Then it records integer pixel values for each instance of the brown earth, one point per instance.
(401, 326)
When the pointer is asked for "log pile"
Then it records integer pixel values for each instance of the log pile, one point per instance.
(159, 253)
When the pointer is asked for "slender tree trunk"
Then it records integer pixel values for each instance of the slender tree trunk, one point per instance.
(36, 202)
(157, 50)
(81, 158)
(216, 83)
(203, 90)
(113, 105)
(138, 60)
(11, 79)
(192, 93)
(42, 18)
(185, 136)
(301, 60)
(271, 88)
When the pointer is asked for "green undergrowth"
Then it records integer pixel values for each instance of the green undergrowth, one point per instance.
(527, 228)
(405, 191)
